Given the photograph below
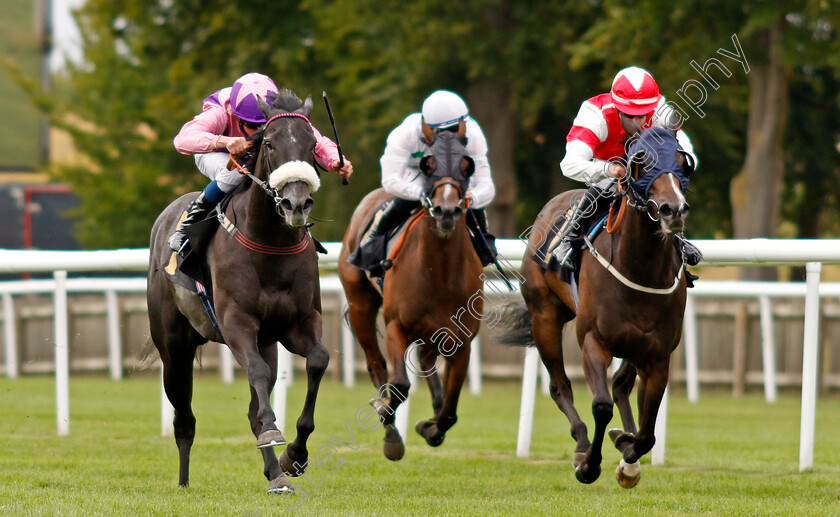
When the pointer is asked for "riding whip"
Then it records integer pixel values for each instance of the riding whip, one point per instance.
(344, 181)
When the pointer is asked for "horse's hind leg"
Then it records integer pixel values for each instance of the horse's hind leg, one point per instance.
(176, 342)
(434, 431)
(428, 358)
(548, 337)
(305, 340)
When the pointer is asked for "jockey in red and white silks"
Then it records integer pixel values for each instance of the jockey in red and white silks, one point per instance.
(596, 150)
(598, 138)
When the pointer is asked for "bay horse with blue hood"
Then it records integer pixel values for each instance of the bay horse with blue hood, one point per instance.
(260, 273)
(630, 303)
(431, 295)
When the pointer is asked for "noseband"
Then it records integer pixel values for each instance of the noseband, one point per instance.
(427, 198)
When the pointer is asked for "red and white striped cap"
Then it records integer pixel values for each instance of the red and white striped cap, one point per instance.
(634, 91)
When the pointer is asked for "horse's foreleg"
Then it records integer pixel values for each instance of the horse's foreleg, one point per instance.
(306, 341)
(391, 395)
(548, 336)
(651, 391)
(271, 468)
(595, 361)
(434, 431)
(622, 386)
(240, 332)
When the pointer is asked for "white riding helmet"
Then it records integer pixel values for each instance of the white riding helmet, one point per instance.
(443, 109)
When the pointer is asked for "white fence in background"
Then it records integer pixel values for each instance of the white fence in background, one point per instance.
(812, 253)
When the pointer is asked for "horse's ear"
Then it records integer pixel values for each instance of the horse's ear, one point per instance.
(634, 162)
(306, 109)
(265, 108)
(428, 133)
(673, 123)
(686, 162)
(462, 131)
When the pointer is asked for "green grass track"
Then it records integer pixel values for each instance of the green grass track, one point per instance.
(725, 456)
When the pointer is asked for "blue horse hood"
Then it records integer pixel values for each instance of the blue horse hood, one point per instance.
(656, 150)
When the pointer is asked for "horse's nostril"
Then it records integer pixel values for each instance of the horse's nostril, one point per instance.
(437, 212)
(286, 205)
(685, 209)
(307, 205)
(666, 211)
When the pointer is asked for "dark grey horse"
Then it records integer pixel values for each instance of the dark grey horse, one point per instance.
(263, 279)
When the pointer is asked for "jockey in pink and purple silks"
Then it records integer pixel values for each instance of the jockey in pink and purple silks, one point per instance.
(228, 117)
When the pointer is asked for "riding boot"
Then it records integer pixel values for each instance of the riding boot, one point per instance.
(196, 211)
(693, 256)
(370, 255)
(483, 241)
(582, 214)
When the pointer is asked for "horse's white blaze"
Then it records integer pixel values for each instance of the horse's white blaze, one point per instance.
(447, 191)
(675, 184)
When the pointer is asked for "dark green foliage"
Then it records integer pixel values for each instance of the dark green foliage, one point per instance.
(149, 65)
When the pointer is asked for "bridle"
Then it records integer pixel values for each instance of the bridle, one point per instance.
(273, 193)
(266, 144)
(427, 197)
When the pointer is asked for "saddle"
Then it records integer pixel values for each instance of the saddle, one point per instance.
(378, 256)
(552, 240)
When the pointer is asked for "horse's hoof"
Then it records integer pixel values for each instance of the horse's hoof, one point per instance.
(587, 475)
(280, 485)
(620, 439)
(270, 438)
(424, 429)
(578, 459)
(291, 467)
(628, 474)
(393, 446)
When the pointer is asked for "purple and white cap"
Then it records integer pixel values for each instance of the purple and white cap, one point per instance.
(243, 96)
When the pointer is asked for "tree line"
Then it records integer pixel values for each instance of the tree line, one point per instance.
(757, 82)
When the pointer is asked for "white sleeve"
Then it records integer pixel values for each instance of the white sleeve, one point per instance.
(481, 182)
(685, 143)
(397, 180)
(578, 163)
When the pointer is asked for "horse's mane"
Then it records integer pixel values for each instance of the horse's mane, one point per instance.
(286, 100)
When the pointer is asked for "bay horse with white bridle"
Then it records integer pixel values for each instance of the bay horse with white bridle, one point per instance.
(435, 277)
(630, 304)
(261, 270)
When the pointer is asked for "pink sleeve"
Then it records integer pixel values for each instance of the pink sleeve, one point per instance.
(326, 152)
(199, 134)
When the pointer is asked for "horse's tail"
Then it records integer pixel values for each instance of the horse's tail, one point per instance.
(347, 322)
(148, 354)
(514, 328)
